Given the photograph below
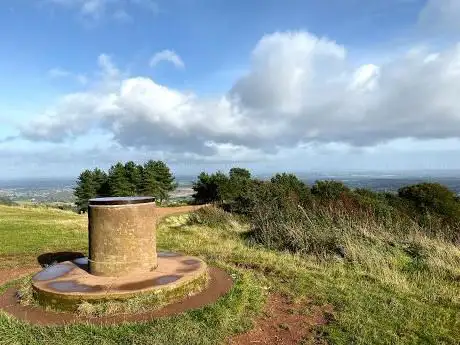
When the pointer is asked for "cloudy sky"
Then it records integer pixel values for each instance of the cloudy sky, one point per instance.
(298, 85)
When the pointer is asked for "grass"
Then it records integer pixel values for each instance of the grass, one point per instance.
(35, 231)
(209, 325)
(386, 290)
(27, 232)
(144, 302)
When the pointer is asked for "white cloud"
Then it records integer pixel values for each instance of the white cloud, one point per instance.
(300, 90)
(365, 78)
(90, 8)
(59, 73)
(122, 16)
(167, 55)
(148, 4)
(117, 9)
(441, 15)
(107, 66)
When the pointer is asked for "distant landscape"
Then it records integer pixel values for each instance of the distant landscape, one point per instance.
(60, 190)
(321, 263)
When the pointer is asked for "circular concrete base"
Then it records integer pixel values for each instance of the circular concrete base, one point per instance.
(67, 284)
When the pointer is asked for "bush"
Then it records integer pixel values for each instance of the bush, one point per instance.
(285, 214)
(210, 216)
(231, 192)
(374, 204)
(329, 190)
(209, 188)
(281, 223)
(434, 207)
(7, 201)
(432, 197)
(289, 186)
(238, 189)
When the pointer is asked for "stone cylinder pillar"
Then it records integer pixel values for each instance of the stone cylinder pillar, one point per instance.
(122, 236)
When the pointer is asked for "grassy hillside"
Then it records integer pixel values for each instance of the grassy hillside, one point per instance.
(386, 289)
(27, 232)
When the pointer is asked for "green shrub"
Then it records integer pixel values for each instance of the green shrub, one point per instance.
(274, 207)
(289, 186)
(210, 188)
(329, 189)
(432, 197)
(7, 201)
(210, 216)
(280, 222)
(433, 206)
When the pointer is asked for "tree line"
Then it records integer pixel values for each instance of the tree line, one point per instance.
(152, 178)
(432, 206)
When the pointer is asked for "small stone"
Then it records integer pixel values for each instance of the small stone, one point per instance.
(19, 295)
(341, 251)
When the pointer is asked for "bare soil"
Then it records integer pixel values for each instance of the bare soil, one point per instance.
(285, 323)
(167, 211)
(15, 273)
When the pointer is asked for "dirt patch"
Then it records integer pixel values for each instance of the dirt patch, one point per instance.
(15, 273)
(284, 323)
(168, 211)
(220, 283)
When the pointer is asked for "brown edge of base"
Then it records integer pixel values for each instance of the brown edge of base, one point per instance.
(220, 283)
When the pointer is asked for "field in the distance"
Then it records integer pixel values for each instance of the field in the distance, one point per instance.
(373, 297)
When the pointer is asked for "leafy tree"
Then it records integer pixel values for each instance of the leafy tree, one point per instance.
(236, 173)
(129, 179)
(432, 197)
(329, 189)
(210, 188)
(291, 187)
(4, 200)
(236, 191)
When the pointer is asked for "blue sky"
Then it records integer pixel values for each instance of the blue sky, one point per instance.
(205, 84)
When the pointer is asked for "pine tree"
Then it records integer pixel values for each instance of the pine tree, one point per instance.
(101, 181)
(130, 179)
(157, 180)
(236, 173)
(86, 189)
(165, 179)
(134, 176)
(119, 184)
(150, 185)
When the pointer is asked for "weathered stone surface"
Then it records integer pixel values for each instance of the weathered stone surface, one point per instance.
(69, 285)
(122, 238)
(123, 261)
